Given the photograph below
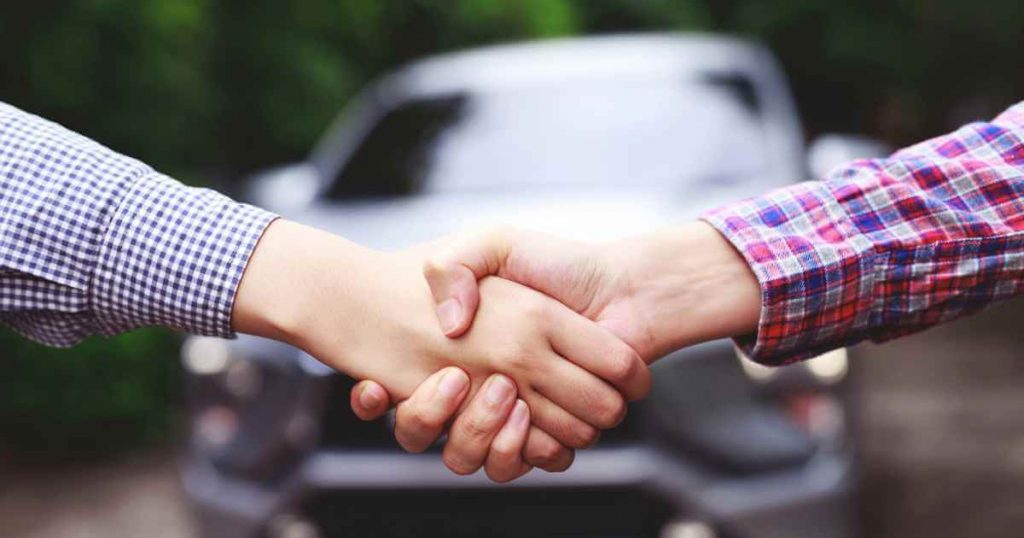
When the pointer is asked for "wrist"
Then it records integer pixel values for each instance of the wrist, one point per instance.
(292, 269)
(353, 308)
(692, 286)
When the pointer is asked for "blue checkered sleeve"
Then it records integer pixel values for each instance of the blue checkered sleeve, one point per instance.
(93, 242)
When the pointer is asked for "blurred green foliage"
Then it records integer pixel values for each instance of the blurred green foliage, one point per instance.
(100, 396)
(208, 89)
(211, 88)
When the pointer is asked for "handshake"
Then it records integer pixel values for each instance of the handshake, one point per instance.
(524, 346)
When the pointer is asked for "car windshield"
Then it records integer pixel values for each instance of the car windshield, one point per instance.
(641, 135)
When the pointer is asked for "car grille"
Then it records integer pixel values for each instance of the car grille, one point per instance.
(592, 513)
(341, 428)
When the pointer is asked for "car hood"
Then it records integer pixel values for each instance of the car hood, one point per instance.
(593, 216)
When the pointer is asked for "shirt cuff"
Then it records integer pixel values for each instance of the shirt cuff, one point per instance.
(816, 272)
(173, 255)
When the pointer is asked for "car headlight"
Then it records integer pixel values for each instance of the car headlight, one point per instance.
(205, 356)
(756, 372)
(828, 368)
(803, 392)
(253, 406)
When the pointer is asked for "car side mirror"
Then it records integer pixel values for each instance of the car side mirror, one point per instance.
(284, 189)
(831, 150)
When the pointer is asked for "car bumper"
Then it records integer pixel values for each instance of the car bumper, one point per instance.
(811, 500)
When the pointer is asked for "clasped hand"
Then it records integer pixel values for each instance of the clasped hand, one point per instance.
(646, 291)
(523, 345)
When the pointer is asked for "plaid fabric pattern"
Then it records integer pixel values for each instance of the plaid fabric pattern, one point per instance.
(95, 242)
(886, 247)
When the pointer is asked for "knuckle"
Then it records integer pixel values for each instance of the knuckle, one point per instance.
(409, 443)
(414, 433)
(584, 436)
(561, 466)
(500, 475)
(477, 427)
(440, 265)
(418, 420)
(605, 408)
(551, 454)
(555, 462)
(503, 452)
(536, 308)
(498, 478)
(644, 387)
(434, 268)
(622, 366)
(545, 455)
(458, 463)
(516, 358)
(612, 412)
(521, 360)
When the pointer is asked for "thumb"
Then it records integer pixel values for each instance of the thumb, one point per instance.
(452, 275)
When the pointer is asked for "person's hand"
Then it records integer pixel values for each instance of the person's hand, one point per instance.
(369, 314)
(490, 431)
(424, 417)
(659, 292)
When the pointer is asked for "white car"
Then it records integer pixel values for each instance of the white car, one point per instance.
(590, 138)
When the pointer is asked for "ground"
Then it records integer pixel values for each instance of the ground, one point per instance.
(941, 429)
(133, 495)
(939, 422)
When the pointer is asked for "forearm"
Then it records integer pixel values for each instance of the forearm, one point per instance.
(364, 312)
(290, 268)
(333, 298)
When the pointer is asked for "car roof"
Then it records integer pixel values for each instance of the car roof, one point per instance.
(553, 61)
(565, 63)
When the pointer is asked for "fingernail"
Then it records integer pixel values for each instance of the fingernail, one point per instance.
(453, 383)
(520, 414)
(499, 390)
(369, 399)
(448, 313)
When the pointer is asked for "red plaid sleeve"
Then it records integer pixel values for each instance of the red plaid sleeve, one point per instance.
(886, 247)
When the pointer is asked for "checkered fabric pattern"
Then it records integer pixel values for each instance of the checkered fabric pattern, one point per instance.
(882, 248)
(92, 241)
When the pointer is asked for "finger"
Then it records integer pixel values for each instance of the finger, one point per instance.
(505, 457)
(598, 351)
(470, 436)
(581, 394)
(559, 423)
(453, 272)
(544, 452)
(421, 419)
(369, 400)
